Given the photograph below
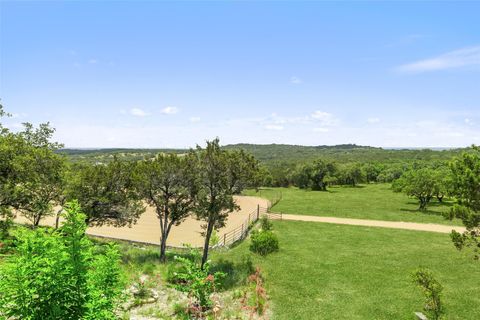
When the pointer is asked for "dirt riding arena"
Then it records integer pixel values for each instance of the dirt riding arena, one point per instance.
(147, 228)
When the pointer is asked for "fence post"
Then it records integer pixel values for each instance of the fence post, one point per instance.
(258, 211)
(224, 239)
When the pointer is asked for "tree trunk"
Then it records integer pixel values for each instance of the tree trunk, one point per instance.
(163, 243)
(206, 246)
(440, 198)
(36, 220)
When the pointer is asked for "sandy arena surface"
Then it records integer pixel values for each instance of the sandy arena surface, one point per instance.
(147, 228)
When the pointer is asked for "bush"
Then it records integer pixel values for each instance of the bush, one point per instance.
(59, 274)
(265, 223)
(255, 296)
(264, 242)
(432, 290)
(189, 277)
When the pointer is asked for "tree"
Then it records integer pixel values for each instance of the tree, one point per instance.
(41, 182)
(106, 193)
(168, 184)
(321, 172)
(466, 190)
(244, 171)
(372, 172)
(351, 174)
(315, 175)
(217, 173)
(444, 183)
(30, 171)
(421, 184)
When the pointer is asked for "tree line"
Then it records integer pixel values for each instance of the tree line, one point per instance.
(37, 181)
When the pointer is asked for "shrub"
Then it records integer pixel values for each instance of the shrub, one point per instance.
(58, 274)
(197, 282)
(432, 290)
(264, 242)
(255, 297)
(265, 223)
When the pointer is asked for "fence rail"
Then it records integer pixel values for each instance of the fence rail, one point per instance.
(241, 232)
(231, 237)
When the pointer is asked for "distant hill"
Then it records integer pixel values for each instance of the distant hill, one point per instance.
(340, 153)
(272, 154)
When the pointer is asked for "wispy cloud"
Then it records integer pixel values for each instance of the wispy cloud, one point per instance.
(194, 119)
(324, 118)
(455, 59)
(321, 129)
(373, 120)
(274, 127)
(137, 112)
(295, 80)
(169, 110)
(93, 61)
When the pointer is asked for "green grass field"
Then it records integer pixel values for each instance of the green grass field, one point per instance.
(327, 271)
(373, 201)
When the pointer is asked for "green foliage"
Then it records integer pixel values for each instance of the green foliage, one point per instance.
(350, 174)
(466, 189)
(31, 173)
(255, 296)
(422, 184)
(168, 183)
(432, 290)
(265, 223)
(190, 277)
(263, 242)
(106, 193)
(315, 175)
(57, 274)
(221, 174)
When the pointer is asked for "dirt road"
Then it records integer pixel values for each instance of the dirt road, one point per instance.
(377, 223)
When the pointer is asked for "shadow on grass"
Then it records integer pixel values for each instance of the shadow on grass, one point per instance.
(426, 212)
(236, 272)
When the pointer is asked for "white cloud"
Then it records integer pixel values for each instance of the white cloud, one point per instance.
(324, 118)
(194, 119)
(455, 59)
(373, 120)
(321, 129)
(169, 110)
(93, 61)
(137, 112)
(469, 121)
(274, 127)
(295, 80)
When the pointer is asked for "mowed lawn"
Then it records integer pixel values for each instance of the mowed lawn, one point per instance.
(325, 271)
(373, 201)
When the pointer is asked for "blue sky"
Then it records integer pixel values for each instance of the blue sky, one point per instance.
(172, 74)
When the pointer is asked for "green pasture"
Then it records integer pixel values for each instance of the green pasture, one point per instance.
(372, 201)
(325, 271)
